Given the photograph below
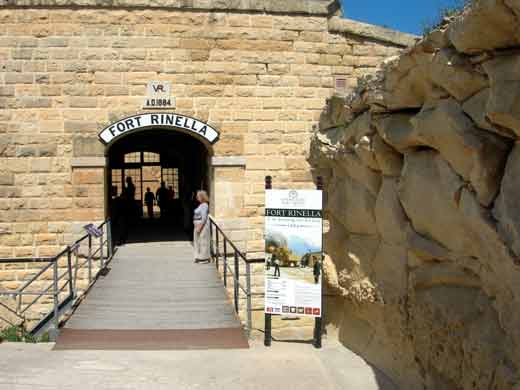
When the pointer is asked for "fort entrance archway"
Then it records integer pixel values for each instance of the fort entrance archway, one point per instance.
(152, 149)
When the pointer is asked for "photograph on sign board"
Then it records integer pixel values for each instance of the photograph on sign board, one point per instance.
(294, 256)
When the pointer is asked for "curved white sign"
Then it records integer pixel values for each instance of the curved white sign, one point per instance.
(158, 120)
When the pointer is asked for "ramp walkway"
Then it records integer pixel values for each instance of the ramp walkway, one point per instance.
(155, 297)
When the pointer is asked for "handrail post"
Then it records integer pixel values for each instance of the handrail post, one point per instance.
(217, 252)
(56, 322)
(69, 271)
(101, 252)
(249, 300)
(211, 246)
(225, 262)
(110, 248)
(89, 259)
(236, 281)
(19, 305)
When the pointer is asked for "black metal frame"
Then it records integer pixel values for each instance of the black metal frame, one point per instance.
(318, 323)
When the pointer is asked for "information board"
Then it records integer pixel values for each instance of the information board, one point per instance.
(293, 252)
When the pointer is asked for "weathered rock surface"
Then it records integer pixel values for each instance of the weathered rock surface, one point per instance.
(423, 200)
(454, 73)
(353, 204)
(356, 170)
(503, 104)
(476, 107)
(397, 130)
(408, 84)
(336, 114)
(507, 206)
(390, 216)
(429, 180)
(388, 160)
(487, 25)
(475, 155)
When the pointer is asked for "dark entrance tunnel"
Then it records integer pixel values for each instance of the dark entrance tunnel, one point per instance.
(149, 158)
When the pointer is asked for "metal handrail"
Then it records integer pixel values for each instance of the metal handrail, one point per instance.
(61, 282)
(218, 239)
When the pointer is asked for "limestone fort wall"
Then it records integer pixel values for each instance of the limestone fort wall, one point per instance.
(261, 76)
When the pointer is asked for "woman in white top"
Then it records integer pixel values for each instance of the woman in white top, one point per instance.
(201, 233)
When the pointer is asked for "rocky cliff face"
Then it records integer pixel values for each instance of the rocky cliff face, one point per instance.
(422, 165)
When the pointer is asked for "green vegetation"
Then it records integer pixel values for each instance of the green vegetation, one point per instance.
(444, 13)
(17, 334)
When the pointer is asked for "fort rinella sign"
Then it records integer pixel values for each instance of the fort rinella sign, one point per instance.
(150, 121)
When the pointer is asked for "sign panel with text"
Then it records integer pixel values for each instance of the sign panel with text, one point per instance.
(153, 121)
(158, 95)
(293, 252)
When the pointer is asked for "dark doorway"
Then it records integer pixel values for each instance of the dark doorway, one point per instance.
(149, 159)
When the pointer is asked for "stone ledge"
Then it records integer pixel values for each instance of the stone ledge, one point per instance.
(228, 161)
(88, 162)
(341, 25)
(307, 7)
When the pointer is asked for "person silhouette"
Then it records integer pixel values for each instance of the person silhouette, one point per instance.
(130, 189)
(171, 197)
(316, 270)
(149, 199)
(162, 199)
(276, 262)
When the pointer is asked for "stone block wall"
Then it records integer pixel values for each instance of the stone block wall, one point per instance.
(262, 78)
(422, 187)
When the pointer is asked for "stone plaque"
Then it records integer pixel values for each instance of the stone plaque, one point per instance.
(158, 95)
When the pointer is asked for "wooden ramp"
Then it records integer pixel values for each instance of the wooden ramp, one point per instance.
(154, 298)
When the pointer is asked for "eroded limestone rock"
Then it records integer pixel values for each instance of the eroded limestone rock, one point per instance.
(503, 105)
(476, 107)
(388, 159)
(408, 83)
(336, 114)
(507, 205)
(353, 205)
(390, 217)
(455, 74)
(476, 155)
(397, 130)
(354, 168)
(429, 180)
(486, 25)
(428, 267)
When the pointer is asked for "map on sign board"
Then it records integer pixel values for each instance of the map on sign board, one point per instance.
(93, 231)
(293, 252)
(158, 95)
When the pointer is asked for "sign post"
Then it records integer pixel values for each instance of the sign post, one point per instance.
(268, 322)
(293, 256)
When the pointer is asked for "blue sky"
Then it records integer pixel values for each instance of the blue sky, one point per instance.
(403, 15)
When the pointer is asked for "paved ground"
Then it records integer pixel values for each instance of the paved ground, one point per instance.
(284, 366)
(151, 290)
